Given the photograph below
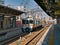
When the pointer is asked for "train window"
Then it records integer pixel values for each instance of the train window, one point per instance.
(30, 21)
(23, 21)
(34, 22)
(27, 21)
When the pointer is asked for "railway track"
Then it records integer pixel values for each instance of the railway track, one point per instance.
(5, 42)
(36, 38)
(28, 39)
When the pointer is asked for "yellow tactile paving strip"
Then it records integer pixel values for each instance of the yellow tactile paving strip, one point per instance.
(51, 38)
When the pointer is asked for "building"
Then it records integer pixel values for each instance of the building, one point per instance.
(8, 17)
(8, 29)
(20, 8)
(19, 18)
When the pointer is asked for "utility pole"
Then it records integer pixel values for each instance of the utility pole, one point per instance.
(25, 4)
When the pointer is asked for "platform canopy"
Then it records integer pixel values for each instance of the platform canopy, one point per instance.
(8, 10)
(45, 7)
(51, 7)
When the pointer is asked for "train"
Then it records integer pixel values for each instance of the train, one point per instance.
(31, 24)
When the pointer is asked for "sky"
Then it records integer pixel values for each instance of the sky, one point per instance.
(15, 3)
(31, 4)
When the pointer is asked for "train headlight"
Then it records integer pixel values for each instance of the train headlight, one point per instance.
(31, 27)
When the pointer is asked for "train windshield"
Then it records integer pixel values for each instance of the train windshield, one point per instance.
(27, 21)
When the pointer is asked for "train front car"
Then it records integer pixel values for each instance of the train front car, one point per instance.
(31, 24)
(27, 24)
